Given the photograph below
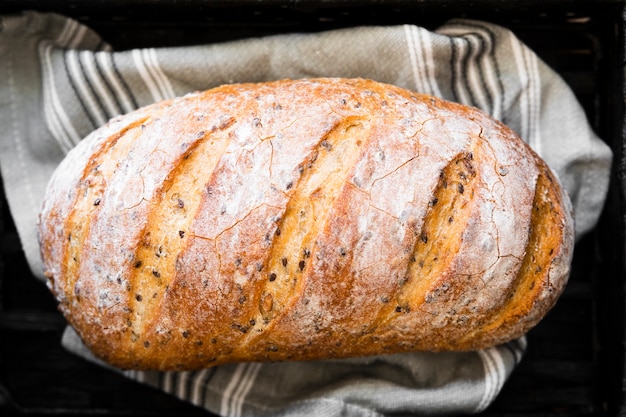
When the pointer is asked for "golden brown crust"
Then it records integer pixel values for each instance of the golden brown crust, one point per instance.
(298, 220)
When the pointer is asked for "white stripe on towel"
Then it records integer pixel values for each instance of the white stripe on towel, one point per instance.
(87, 97)
(157, 73)
(238, 388)
(485, 65)
(530, 93)
(145, 75)
(495, 375)
(56, 118)
(105, 63)
(421, 58)
(148, 67)
(95, 79)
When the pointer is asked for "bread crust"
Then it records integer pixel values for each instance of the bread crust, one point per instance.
(300, 220)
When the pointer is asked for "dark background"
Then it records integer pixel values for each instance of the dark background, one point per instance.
(575, 360)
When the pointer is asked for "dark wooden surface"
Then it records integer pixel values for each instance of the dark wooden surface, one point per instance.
(574, 365)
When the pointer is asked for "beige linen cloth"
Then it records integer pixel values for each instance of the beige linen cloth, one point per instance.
(59, 80)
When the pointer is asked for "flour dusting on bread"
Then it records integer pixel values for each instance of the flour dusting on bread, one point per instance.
(301, 220)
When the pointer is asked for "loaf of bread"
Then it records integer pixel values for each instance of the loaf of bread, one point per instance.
(301, 220)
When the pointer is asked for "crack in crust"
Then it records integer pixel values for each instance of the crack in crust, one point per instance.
(531, 287)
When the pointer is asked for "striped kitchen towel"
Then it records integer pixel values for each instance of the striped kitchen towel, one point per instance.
(402, 384)
(59, 80)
